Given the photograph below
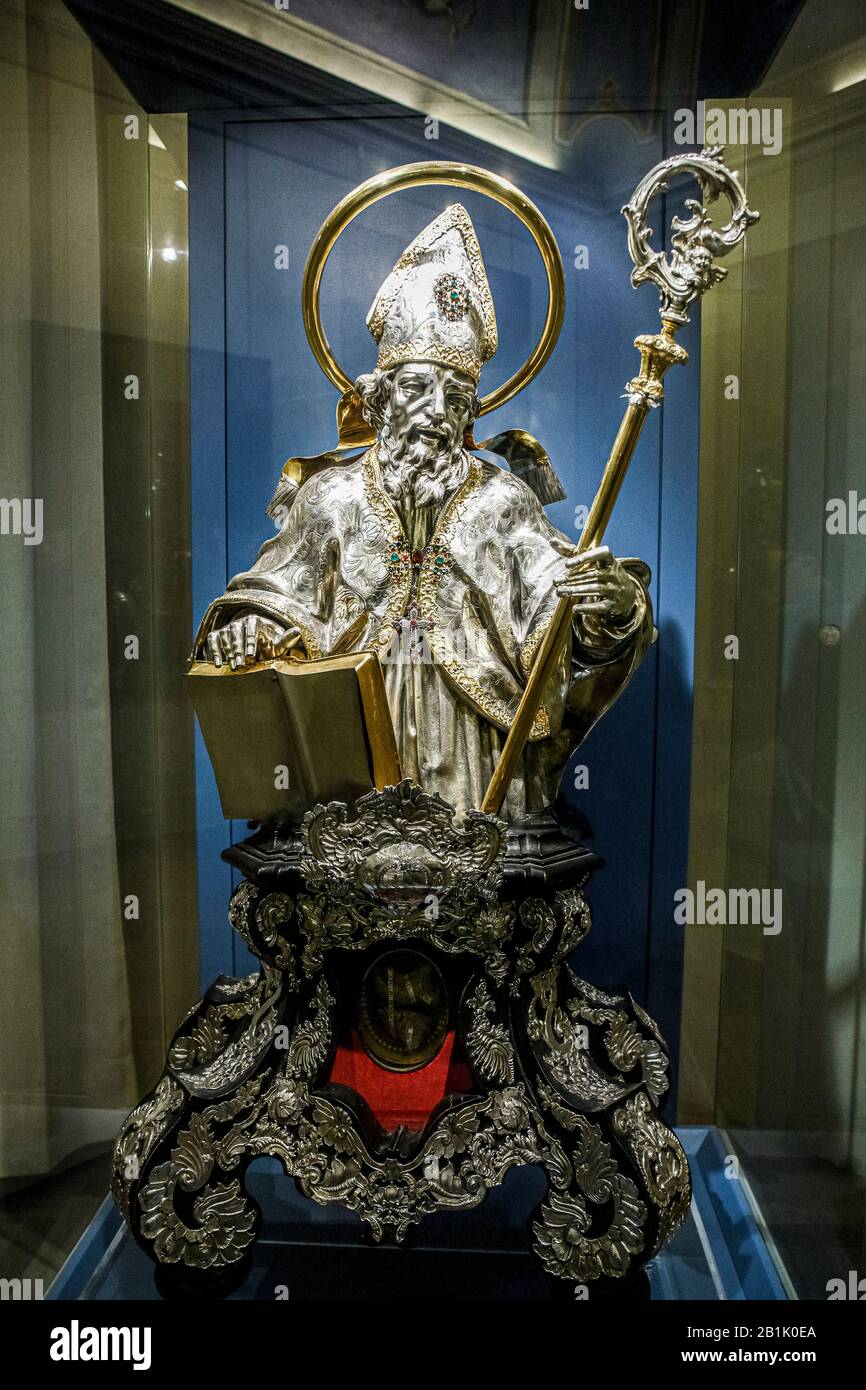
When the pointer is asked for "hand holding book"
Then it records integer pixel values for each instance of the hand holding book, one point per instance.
(244, 641)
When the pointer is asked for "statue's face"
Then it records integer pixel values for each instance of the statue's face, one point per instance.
(430, 407)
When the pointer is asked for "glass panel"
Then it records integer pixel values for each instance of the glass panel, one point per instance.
(97, 846)
(774, 1008)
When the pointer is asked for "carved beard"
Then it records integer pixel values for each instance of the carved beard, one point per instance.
(414, 470)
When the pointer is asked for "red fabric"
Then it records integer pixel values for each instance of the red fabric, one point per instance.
(401, 1098)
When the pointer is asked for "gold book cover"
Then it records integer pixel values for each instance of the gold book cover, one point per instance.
(284, 735)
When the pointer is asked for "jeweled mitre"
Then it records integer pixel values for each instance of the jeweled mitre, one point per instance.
(436, 304)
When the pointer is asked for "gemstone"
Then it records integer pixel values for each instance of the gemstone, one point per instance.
(451, 293)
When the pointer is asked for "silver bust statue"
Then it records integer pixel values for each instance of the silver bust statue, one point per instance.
(442, 562)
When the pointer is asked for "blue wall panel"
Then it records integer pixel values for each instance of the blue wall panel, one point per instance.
(208, 492)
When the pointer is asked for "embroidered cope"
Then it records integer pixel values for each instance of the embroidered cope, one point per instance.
(456, 599)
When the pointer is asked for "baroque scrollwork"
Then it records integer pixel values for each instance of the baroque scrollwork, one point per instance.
(139, 1135)
(317, 1138)
(557, 926)
(576, 918)
(659, 1156)
(403, 844)
(223, 1229)
(570, 1234)
(563, 1048)
(624, 1038)
(262, 920)
(695, 241)
(487, 1040)
(538, 919)
(248, 1070)
(467, 1153)
(343, 918)
(206, 1059)
(405, 867)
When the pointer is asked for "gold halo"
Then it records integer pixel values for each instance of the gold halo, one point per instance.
(437, 171)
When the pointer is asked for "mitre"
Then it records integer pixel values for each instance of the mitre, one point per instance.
(436, 304)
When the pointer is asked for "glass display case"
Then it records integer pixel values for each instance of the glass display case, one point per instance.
(167, 168)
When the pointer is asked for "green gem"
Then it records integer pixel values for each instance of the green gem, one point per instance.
(439, 560)
(394, 556)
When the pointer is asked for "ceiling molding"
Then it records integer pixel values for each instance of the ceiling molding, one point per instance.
(297, 39)
(831, 73)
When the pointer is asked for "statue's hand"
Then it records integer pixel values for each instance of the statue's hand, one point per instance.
(250, 639)
(597, 583)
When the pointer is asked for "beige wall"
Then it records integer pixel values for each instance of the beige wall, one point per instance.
(88, 997)
(773, 1026)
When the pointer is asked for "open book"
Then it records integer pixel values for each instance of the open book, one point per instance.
(284, 735)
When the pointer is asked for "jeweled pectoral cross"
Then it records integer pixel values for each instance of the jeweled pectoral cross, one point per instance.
(412, 644)
(411, 641)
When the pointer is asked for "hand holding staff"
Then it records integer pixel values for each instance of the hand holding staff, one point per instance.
(688, 274)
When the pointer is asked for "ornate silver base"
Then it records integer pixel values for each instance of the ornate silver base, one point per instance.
(564, 1075)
